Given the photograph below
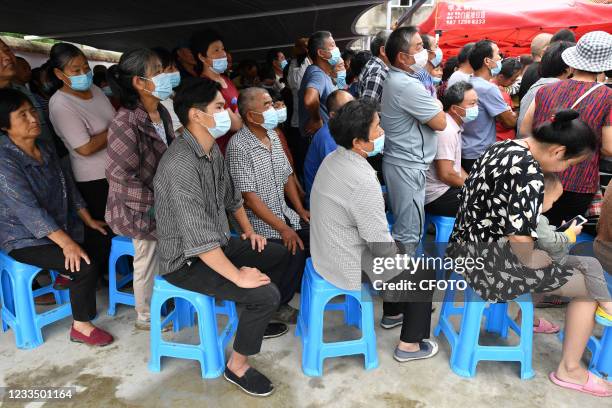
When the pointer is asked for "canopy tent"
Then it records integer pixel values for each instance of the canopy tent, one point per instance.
(249, 27)
(512, 24)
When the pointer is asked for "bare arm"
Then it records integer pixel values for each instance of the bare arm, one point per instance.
(261, 210)
(236, 121)
(95, 144)
(606, 141)
(293, 193)
(524, 249)
(448, 175)
(507, 119)
(438, 122)
(312, 104)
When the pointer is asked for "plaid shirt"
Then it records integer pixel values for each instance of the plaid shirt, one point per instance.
(265, 172)
(134, 150)
(372, 78)
(594, 111)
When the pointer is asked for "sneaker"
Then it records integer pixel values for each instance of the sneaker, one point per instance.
(286, 314)
(390, 322)
(428, 349)
(62, 282)
(252, 382)
(97, 337)
(275, 330)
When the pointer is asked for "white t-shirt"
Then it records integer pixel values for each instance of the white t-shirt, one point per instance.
(449, 148)
(75, 120)
(169, 105)
(456, 77)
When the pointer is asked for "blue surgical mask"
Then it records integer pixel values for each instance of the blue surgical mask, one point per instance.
(270, 119)
(81, 82)
(107, 91)
(438, 58)
(379, 145)
(470, 114)
(341, 79)
(223, 123)
(163, 86)
(281, 114)
(219, 65)
(436, 80)
(283, 64)
(335, 57)
(497, 69)
(175, 78)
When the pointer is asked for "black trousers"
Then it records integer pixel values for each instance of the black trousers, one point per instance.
(297, 262)
(95, 193)
(568, 206)
(260, 303)
(446, 205)
(467, 164)
(417, 319)
(299, 147)
(83, 287)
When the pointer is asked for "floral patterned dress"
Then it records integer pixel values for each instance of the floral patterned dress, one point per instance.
(502, 197)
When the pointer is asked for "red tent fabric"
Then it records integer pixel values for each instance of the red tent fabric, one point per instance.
(512, 24)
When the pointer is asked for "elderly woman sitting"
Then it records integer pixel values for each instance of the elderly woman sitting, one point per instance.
(42, 213)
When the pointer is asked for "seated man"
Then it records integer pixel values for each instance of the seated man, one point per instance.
(322, 142)
(445, 177)
(193, 193)
(261, 171)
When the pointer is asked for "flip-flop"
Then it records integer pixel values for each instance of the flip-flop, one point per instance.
(603, 318)
(590, 387)
(546, 327)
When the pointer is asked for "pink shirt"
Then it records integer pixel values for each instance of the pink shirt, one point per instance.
(75, 120)
(449, 148)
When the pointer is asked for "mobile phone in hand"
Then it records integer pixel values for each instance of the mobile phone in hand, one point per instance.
(579, 221)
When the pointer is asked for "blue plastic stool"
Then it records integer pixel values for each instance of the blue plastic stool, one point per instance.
(444, 226)
(121, 248)
(17, 300)
(584, 237)
(211, 350)
(465, 350)
(601, 350)
(358, 311)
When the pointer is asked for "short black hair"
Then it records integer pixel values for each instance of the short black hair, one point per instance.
(455, 94)
(510, 66)
(563, 35)
(348, 54)
(165, 57)
(272, 55)
(10, 100)
(199, 43)
(317, 42)
(552, 65)
(399, 41)
(450, 66)
(427, 43)
(566, 129)
(526, 60)
(608, 74)
(464, 54)
(353, 121)
(378, 41)
(357, 65)
(99, 78)
(194, 93)
(482, 49)
(332, 101)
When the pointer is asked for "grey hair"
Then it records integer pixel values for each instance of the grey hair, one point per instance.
(247, 98)
(379, 41)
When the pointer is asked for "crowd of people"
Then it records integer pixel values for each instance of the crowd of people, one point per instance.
(226, 180)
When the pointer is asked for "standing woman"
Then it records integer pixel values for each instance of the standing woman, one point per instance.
(207, 47)
(80, 114)
(137, 138)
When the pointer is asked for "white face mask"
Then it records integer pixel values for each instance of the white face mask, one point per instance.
(420, 60)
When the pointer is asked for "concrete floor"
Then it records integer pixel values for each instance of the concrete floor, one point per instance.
(117, 375)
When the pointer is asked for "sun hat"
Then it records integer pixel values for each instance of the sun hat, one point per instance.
(592, 53)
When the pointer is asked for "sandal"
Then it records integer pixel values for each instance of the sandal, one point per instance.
(546, 327)
(590, 387)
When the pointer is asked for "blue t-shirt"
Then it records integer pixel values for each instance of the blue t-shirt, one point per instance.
(316, 78)
(479, 134)
(322, 144)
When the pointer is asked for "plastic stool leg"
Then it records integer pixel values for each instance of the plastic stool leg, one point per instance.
(112, 284)
(27, 335)
(369, 334)
(6, 296)
(156, 333)
(462, 356)
(312, 363)
(603, 365)
(207, 325)
(526, 343)
(497, 319)
(352, 311)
